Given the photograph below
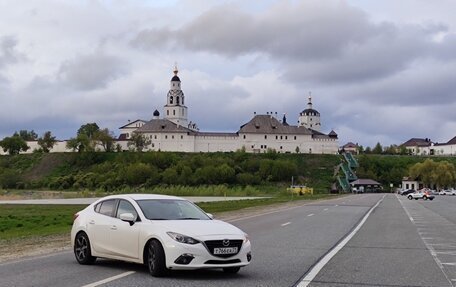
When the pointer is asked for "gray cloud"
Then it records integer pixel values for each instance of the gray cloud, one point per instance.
(307, 30)
(8, 53)
(93, 71)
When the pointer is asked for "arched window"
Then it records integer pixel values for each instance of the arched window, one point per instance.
(174, 112)
(182, 100)
(171, 99)
(177, 100)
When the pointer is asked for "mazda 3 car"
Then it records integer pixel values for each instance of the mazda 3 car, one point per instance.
(162, 232)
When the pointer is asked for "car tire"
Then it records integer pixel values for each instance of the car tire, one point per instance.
(431, 198)
(231, 270)
(410, 197)
(425, 197)
(156, 259)
(82, 249)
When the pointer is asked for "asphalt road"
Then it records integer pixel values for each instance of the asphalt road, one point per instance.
(390, 249)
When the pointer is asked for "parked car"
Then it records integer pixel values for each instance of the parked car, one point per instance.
(406, 192)
(162, 232)
(424, 194)
(447, 192)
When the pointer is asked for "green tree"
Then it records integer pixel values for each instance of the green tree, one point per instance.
(80, 143)
(431, 173)
(139, 141)
(89, 129)
(105, 138)
(14, 144)
(360, 149)
(26, 135)
(377, 149)
(368, 150)
(47, 141)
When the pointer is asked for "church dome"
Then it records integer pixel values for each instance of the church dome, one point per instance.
(175, 79)
(332, 134)
(156, 113)
(310, 112)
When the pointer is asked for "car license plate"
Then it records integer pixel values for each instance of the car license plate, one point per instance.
(225, 250)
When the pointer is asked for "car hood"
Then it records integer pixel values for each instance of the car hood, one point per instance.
(201, 228)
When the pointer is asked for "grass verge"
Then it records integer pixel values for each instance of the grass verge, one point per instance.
(24, 221)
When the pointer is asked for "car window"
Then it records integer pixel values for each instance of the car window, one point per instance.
(125, 207)
(171, 209)
(107, 207)
(97, 207)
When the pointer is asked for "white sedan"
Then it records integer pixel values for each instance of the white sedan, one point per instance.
(448, 192)
(162, 232)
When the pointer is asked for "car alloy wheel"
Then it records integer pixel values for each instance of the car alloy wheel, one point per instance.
(410, 197)
(156, 259)
(82, 249)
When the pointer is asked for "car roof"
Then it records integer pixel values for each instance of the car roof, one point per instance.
(142, 196)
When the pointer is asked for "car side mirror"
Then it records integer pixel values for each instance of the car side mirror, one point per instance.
(128, 217)
(210, 215)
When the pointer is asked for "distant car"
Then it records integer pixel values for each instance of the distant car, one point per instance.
(406, 192)
(425, 195)
(161, 232)
(447, 192)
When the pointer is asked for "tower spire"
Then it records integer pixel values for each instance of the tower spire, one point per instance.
(309, 104)
(175, 69)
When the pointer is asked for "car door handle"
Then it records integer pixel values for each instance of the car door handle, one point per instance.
(114, 227)
(92, 222)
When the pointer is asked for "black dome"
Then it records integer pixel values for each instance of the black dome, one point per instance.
(156, 113)
(175, 79)
(332, 134)
(310, 112)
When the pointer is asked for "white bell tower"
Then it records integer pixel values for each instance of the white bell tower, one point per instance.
(309, 117)
(175, 109)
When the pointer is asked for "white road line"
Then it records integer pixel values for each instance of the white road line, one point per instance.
(325, 209)
(323, 261)
(285, 224)
(336, 205)
(98, 283)
(311, 214)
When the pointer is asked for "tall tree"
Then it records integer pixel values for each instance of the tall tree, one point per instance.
(442, 174)
(105, 138)
(377, 149)
(14, 144)
(139, 141)
(80, 143)
(89, 129)
(27, 135)
(47, 141)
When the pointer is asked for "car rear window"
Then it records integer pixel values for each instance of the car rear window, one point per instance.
(107, 207)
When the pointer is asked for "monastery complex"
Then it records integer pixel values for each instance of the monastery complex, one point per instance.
(174, 132)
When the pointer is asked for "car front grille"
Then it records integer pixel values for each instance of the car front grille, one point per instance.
(232, 261)
(211, 244)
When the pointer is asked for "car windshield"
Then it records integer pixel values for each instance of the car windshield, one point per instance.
(171, 209)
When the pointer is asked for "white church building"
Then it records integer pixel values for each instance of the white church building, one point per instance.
(174, 132)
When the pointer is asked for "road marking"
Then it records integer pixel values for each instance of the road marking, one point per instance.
(325, 259)
(285, 224)
(311, 214)
(98, 283)
(336, 205)
(325, 209)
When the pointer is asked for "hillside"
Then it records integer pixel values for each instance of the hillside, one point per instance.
(129, 170)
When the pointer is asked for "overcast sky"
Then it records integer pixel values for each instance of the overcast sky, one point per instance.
(378, 70)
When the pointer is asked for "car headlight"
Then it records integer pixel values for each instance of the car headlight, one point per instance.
(182, 238)
(246, 238)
